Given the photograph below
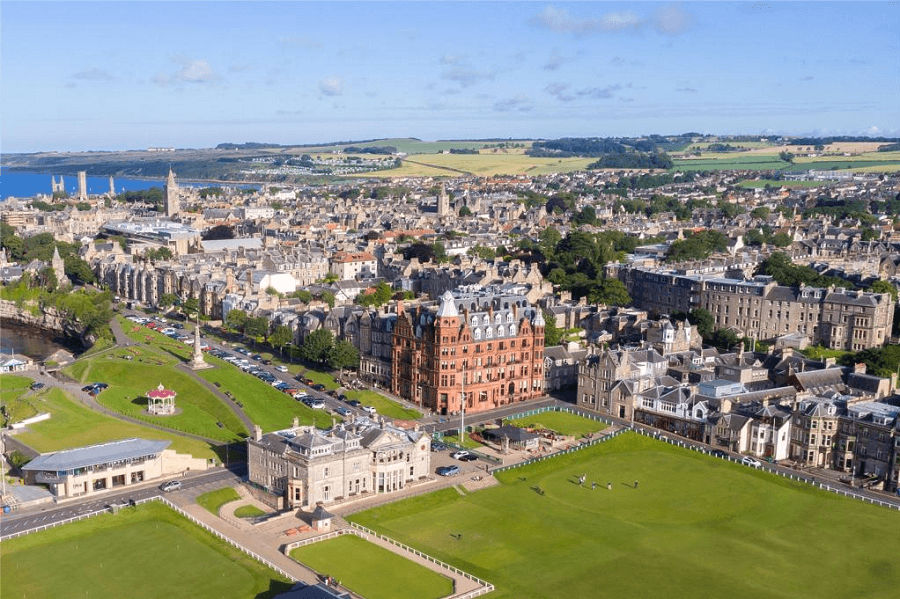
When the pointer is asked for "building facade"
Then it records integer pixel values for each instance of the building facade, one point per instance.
(483, 346)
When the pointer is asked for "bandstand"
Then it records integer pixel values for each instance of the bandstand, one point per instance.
(161, 401)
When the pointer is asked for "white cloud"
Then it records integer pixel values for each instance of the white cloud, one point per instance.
(332, 86)
(672, 20)
(520, 102)
(196, 71)
(467, 77)
(93, 74)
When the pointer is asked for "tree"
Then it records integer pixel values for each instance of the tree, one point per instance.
(272, 291)
(343, 355)
(256, 327)
(882, 286)
(762, 212)
(611, 292)
(552, 333)
(190, 306)
(328, 298)
(786, 156)
(236, 320)
(317, 345)
(586, 216)
(465, 211)
(440, 253)
(303, 295)
(704, 321)
(78, 270)
(219, 232)
(281, 336)
(381, 296)
(167, 299)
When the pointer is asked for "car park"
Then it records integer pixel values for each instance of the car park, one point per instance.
(752, 462)
(448, 470)
(172, 485)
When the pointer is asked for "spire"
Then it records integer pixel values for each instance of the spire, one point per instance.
(539, 318)
(448, 308)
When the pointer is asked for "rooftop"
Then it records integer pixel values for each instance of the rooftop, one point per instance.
(103, 453)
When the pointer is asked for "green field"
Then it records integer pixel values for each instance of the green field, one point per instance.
(743, 162)
(372, 571)
(263, 404)
(145, 552)
(386, 407)
(16, 407)
(321, 378)
(484, 165)
(214, 500)
(696, 526)
(561, 422)
(74, 425)
(129, 381)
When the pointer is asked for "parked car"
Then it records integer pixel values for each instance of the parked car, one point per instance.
(354, 403)
(448, 470)
(752, 462)
(718, 453)
(343, 411)
(370, 410)
(36, 385)
(458, 455)
(438, 447)
(280, 368)
(469, 457)
(257, 357)
(172, 485)
(318, 387)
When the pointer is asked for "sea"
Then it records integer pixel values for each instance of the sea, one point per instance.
(25, 184)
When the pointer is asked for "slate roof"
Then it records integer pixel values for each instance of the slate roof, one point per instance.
(83, 457)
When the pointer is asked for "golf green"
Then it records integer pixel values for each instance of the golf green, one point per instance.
(674, 524)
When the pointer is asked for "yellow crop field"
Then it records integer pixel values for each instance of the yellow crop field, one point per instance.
(483, 165)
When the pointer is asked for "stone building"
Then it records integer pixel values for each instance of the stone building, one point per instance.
(306, 466)
(173, 196)
(482, 343)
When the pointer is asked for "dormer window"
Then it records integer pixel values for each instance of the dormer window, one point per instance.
(476, 334)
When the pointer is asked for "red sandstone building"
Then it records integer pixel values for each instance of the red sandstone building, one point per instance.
(486, 343)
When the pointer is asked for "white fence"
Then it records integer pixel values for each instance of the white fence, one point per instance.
(105, 510)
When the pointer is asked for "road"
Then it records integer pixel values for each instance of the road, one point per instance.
(29, 518)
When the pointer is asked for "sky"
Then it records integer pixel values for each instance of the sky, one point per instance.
(130, 75)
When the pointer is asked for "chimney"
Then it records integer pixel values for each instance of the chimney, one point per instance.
(859, 368)
(257, 432)
(296, 422)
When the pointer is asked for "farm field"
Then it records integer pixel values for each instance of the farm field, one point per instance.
(561, 422)
(385, 406)
(141, 553)
(74, 425)
(130, 380)
(372, 571)
(484, 165)
(694, 522)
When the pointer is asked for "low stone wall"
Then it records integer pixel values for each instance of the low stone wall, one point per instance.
(275, 502)
(174, 462)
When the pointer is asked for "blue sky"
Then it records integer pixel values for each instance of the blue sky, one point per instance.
(128, 75)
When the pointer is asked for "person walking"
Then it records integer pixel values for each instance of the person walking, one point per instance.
(635, 484)
(593, 485)
(609, 486)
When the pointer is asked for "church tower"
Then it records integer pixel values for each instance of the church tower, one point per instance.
(443, 203)
(173, 198)
(59, 268)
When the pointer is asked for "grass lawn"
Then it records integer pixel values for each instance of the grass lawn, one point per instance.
(248, 511)
(322, 378)
(469, 443)
(214, 500)
(386, 407)
(12, 390)
(74, 425)
(129, 381)
(561, 422)
(264, 405)
(372, 571)
(817, 352)
(697, 526)
(143, 552)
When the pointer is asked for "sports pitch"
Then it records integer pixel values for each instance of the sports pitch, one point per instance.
(696, 526)
(144, 552)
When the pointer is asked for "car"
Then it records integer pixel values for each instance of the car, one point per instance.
(281, 368)
(354, 403)
(718, 453)
(448, 470)
(36, 385)
(299, 396)
(87, 388)
(101, 386)
(469, 457)
(370, 410)
(257, 357)
(318, 387)
(752, 462)
(172, 485)
(316, 403)
(267, 362)
(343, 411)
(458, 455)
(438, 447)
(280, 385)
